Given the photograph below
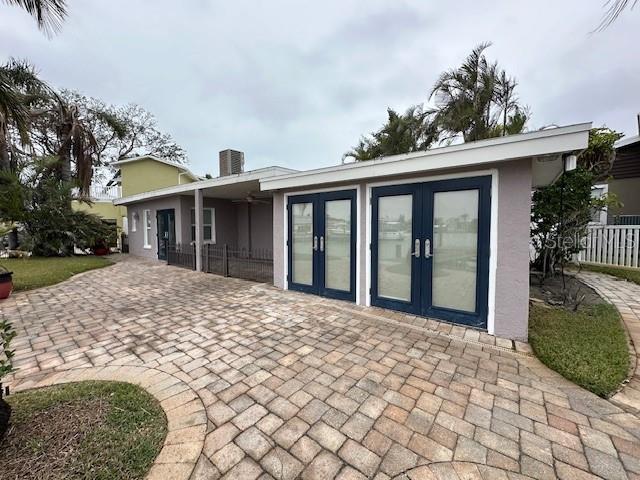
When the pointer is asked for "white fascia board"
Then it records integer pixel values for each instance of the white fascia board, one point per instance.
(543, 142)
(209, 183)
(627, 141)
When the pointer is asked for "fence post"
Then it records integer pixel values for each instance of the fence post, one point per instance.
(225, 260)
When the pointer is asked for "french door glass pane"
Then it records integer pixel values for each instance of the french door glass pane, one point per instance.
(455, 249)
(395, 241)
(337, 244)
(302, 238)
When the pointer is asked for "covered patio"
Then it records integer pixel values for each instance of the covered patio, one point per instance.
(222, 225)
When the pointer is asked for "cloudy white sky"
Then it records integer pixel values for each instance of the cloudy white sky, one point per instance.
(295, 83)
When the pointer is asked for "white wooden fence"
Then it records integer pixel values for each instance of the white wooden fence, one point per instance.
(612, 245)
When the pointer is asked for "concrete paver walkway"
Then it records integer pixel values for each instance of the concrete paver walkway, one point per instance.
(296, 386)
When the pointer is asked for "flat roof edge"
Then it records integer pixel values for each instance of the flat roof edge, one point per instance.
(512, 147)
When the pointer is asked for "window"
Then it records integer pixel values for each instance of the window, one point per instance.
(208, 225)
(147, 228)
(134, 221)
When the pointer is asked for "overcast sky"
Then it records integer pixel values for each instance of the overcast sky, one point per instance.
(295, 83)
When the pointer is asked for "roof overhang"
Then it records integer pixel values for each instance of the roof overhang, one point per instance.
(230, 186)
(546, 148)
(627, 141)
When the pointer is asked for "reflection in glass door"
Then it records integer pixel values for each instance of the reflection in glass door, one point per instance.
(302, 243)
(166, 231)
(322, 236)
(430, 249)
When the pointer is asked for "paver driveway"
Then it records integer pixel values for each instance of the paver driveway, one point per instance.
(296, 385)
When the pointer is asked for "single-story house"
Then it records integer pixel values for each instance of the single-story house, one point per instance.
(442, 233)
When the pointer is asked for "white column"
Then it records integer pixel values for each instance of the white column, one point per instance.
(199, 229)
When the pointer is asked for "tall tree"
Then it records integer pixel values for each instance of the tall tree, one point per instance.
(477, 100)
(20, 88)
(402, 133)
(49, 14)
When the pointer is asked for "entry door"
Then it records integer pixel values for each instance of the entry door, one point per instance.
(430, 249)
(166, 222)
(322, 244)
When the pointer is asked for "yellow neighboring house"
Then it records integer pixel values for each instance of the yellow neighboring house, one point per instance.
(134, 175)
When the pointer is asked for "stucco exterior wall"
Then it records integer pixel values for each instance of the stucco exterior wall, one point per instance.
(148, 175)
(226, 222)
(278, 240)
(512, 276)
(511, 301)
(261, 225)
(136, 238)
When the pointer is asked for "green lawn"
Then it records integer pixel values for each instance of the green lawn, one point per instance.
(631, 274)
(98, 430)
(588, 347)
(35, 272)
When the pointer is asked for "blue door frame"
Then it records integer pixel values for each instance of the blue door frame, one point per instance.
(318, 260)
(165, 231)
(421, 264)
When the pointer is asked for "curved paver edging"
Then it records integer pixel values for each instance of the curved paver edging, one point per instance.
(602, 284)
(185, 412)
(457, 470)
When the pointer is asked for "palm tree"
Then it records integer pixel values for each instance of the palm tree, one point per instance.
(614, 9)
(409, 132)
(48, 13)
(473, 99)
(20, 87)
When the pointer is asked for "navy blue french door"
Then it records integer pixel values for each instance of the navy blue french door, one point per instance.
(430, 249)
(322, 244)
(166, 231)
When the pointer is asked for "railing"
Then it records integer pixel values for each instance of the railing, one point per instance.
(255, 264)
(612, 245)
(181, 255)
(100, 192)
(626, 220)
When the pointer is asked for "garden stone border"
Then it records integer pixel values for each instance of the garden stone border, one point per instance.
(185, 412)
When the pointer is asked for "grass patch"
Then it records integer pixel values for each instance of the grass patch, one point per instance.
(100, 430)
(630, 274)
(36, 272)
(588, 347)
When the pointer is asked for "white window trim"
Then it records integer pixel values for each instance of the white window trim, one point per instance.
(212, 241)
(146, 219)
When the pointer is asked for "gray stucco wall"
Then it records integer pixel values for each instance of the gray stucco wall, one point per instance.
(512, 273)
(136, 239)
(226, 221)
(278, 239)
(512, 278)
(261, 225)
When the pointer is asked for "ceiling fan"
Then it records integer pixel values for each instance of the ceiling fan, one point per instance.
(250, 198)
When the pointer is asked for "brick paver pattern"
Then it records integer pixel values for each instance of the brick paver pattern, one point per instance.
(296, 386)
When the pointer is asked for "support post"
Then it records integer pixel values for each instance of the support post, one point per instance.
(199, 228)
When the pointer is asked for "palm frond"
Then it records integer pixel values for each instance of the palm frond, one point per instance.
(49, 14)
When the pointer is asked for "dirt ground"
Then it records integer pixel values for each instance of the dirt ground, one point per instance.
(551, 291)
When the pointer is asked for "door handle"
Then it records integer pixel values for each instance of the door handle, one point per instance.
(315, 243)
(321, 243)
(416, 245)
(427, 248)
